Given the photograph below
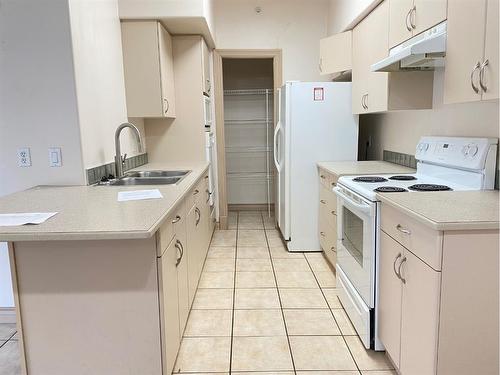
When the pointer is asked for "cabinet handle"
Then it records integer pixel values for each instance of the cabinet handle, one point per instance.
(198, 213)
(474, 68)
(208, 195)
(196, 191)
(394, 266)
(481, 75)
(334, 213)
(322, 201)
(334, 184)
(399, 270)
(403, 229)
(322, 234)
(322, 176)
(413, 16)
(363, 101)
(333, 249)
(168, 105)
(408, 26)
(178, 246)
(176, 220)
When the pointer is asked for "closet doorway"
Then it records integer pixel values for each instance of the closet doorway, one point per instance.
(246, 85)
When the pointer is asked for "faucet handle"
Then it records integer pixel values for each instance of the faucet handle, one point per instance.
(124, 157)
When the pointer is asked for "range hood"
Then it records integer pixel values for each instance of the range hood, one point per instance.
(424, 51)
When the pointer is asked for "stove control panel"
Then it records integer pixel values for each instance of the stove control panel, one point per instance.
(466, 153)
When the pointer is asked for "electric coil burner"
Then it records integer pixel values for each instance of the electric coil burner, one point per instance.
(389, 189)
(429, 187)
(403, 178)
(371, 179)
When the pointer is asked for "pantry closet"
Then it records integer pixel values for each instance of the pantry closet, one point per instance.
(248, 128)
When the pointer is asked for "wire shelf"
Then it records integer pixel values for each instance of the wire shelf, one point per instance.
(249, 92)
(239, 149)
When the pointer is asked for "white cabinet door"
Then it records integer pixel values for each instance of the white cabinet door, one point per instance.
(491, 74)
(399, 21)
(427, 13)
(335, 53)
(166, 71)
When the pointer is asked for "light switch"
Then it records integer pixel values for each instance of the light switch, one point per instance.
(55, 158)
(24, 157)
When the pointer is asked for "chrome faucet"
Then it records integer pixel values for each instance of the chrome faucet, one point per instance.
(119, 159)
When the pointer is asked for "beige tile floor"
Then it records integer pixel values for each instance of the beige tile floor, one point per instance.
(259, 308)
(262, 309)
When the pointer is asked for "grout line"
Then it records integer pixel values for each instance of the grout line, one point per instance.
(281, 305)
(234, 294)
(333, 315)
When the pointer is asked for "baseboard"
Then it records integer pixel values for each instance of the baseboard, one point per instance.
(7, 315)
(249, 207)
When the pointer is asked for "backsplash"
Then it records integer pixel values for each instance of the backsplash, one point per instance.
(405, 160)
(95, 174)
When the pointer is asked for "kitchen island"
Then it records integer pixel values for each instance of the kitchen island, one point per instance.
(105, 287)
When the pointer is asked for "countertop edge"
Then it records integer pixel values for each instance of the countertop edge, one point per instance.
(441, 226)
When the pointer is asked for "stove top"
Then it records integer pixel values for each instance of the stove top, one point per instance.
(389, 189)
(403, 177)
(429, 187)
(369, 179)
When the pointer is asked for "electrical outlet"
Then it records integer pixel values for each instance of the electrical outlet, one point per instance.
(55, 157)
(24, 157)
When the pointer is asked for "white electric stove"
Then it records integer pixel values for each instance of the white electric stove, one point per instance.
(443, 164)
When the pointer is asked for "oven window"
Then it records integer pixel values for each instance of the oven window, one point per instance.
(352, 236)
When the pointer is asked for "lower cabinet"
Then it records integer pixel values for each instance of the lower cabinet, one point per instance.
(328, 216)
(179, 268)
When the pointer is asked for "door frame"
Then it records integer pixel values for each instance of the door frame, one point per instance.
(219, 54)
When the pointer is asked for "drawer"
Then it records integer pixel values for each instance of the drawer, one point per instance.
(167, 230)
(324, 178)
(421, 240)
(196, 194)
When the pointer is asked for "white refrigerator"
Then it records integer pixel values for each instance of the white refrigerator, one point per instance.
(315, 123)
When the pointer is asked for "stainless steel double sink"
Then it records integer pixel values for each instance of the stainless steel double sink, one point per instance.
(150, 178)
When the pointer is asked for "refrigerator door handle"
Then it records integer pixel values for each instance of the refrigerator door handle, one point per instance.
(275, 147)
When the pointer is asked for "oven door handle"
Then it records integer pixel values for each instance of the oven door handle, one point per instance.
(364, 207)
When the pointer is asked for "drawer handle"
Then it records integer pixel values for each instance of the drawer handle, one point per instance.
(394, 266)
(334, 213)
(196, 192)
(322, 176)
(399, 270)
(198, 214)
(403, 229)
(334, 184)
(206, 177)
(322, 234)
(176, 220)
(180, 247)
(322, 201)
(333, 249)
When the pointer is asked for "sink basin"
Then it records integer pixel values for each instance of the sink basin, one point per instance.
(156, 174)
(124, 181)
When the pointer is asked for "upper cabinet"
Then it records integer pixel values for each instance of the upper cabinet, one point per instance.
(207, 80)
(149, 69)
(377, 91)
(471, 68)
(408, 18)
(335, 53)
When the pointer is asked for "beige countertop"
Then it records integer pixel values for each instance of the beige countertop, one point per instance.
(449, 210)
(93, 212)
(345, 168)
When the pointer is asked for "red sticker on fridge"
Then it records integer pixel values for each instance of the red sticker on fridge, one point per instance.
(319, 94)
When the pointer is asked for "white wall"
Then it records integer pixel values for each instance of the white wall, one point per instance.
(100, 86)
(344, 14)
(295, 26)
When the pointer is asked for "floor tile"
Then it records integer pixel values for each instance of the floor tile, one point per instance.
(383, 372)
(258, 323)
(7, 330)
(246, 265)
(209, 323)
(222, 252)
(326, 279)
(256, 299)
(232, 220)
(332, 298)
(264, 373)
(253, 252)
(280, 252)
(219, 265)
(269, 222)
(251, 238)
(10, 358)
(274, 238)
(261, 354)
(255, 280)
(343, 322)
(216, 280)
(208, 299)
(318, 263)
(302, 299)
(321, 353)
(367, 359)
(250, 222)
(290, 265)
(297, 279)
(204, 354)
(328, 373)
(311, 322)
(16, 336)
(224, 238)
(250, 213)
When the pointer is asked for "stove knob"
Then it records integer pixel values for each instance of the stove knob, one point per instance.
(465, 150)
(426, 146)
(473, 149)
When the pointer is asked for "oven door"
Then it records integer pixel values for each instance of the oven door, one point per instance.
(356, 226)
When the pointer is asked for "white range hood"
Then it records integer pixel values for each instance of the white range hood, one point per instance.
(424, 51)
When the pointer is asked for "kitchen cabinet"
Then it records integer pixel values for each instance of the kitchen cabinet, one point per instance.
(408, 18)
(380, 91)
(335, 53)
(424, 324)
(328, 216)
(471, 65)
(148, 69)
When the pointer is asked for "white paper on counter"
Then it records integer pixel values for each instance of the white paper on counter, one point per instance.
(10, 220)
(136, 195)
